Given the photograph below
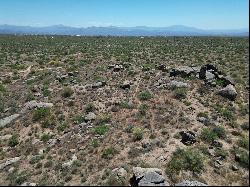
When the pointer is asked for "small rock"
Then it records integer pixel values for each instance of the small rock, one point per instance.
(178, 84)
(125, 85)
(228, 92)
(235, 168)
(190, 183)
(90, 116)
(216, 143)
(28, 184)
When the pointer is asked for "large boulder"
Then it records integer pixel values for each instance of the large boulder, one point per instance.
(183, 71)
(125, 85)
(148, 177)
(228, 92)
(190, 183)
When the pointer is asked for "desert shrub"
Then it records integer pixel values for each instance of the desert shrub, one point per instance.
(13, 141)
(245, 126)
(17, 178)
(180, 93)
(109, 153)
(243, 158)
(126, 104)
(101, 130)
(219, 152)
(137, 133)
(40, 113)
(203, 114)
(145, 95)
(62, 127)
(208, 135)
(94, 143)
(45, 137)
(2, 88)
(90, 107)
(187, 160)
(220, 131)
(244, 142)
(67, 92)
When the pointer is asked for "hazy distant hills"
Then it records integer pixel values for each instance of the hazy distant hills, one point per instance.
(176, 30)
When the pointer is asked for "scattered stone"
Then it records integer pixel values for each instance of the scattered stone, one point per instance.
(69, 163)
(228, 92)
(148, 177)
(190, 183)
(218, 164)
(119, 173)
(5, 137)
(90, 116)
(125, 85)
(28, 184)
(98, 84)
(6, 121)
(188, 138)
(235, 168)
(178, 84)
(118, 67)
(203, 120)
(216, 143)
(34, 104)
(9, 162)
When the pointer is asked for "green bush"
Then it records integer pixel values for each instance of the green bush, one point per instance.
(90, 108)
(101, 130)
(187, 160)
(137, 133)
(243, 158)
(220, 131)
(203, 114)
(244, 142)
(41, 113)
(208, 135)
(67, 92)
(45, 137)
(13, 141)
(180, 93)
(145, 95)
(62, 127)
(2, 88)
(109, 153)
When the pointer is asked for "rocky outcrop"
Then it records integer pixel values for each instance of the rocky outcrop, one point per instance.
(228, 92)
(148, 177)
(34, 104)
(190, 183)
(5, 121)
(27, 106)
(9, 162)
(184, 71)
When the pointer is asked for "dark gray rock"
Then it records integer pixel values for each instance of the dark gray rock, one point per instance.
(148, 177)
(228, 92)
(188, 138)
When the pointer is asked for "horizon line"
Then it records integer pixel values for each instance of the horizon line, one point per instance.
(79, 27)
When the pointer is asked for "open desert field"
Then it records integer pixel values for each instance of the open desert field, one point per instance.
(100, 110)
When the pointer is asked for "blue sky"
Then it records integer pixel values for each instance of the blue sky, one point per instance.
(205, 14)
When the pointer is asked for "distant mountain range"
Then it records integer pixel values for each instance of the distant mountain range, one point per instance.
(176, 30)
